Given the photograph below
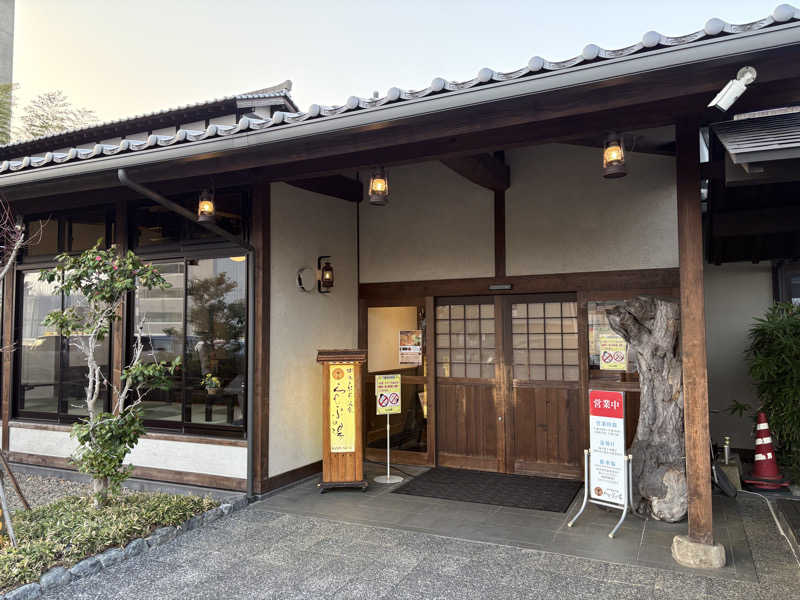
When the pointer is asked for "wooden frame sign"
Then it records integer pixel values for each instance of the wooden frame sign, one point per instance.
(342, 419)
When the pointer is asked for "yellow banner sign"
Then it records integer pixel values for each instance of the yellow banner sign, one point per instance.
(342, 408)
(613, 352)
(387, 392)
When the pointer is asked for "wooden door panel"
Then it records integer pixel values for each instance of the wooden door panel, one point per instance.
(547, 431)
(467, 435)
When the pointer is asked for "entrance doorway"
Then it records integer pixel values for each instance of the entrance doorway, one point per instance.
(507, 384)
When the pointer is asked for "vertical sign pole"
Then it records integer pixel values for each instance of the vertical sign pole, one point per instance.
(388, 447)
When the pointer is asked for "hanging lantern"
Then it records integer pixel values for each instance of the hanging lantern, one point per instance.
(379, 188)
(325, 282)
(614, 157)
(205, 207)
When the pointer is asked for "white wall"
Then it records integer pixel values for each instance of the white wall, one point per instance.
(437, 225)
(305, 225)
(735, 294)
(227, 461)
(563, 217)
(384, 324)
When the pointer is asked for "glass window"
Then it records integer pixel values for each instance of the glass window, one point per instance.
(74, 232)
(86, 229)
(52, 371)
(156, 226)
(598, 326)
(544, 345)
(203, 319)
(465, 341)
(47, 240)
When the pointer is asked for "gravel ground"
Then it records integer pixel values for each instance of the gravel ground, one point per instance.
(40, 490)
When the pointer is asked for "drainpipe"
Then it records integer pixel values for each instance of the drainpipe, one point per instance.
(217, 230)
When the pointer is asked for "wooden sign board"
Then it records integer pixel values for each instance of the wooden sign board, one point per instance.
(342, 418)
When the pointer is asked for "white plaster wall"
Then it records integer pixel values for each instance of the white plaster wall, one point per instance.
(227, 461)
(384, 324)
(437, 225)
(735, 294)
(563, 217)
(305, 225)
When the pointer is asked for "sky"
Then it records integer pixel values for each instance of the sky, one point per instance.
(121, 58)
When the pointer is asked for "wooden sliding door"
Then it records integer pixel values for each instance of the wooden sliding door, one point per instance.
(544, 428)
(469, 411)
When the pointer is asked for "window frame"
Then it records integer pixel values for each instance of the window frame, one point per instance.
(185, 426)
(783, 273)
(61, 415)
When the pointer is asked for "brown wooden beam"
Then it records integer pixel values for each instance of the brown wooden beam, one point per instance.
(499, 234)
(8, 351)
(484, 170)
(337, 186)
(119, 327)
(693, 332)
(261, 297)
(760, 221)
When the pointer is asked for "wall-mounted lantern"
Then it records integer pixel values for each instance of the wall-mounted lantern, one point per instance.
(205, 207)
(379, 188)
(325, 281)
(614, 157)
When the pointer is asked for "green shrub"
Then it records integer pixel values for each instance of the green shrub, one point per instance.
(68, 530)
(774, 362)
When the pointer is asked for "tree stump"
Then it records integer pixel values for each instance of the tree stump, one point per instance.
(651, 327)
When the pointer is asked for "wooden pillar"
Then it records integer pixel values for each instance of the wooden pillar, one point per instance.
(118, 349)
(260, 239)
(693, 331)
(8, 354)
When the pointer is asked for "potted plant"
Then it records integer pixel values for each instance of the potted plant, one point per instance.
(773, 358)
(211, 383)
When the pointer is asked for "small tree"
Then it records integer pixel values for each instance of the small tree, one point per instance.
(98, 281)
(773, 357)
(50, 113)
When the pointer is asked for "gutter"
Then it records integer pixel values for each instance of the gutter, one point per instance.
(216, 229)
(681, 55)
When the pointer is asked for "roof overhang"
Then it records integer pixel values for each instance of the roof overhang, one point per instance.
(670, 74)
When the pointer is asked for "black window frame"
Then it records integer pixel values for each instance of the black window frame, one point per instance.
(783, 273)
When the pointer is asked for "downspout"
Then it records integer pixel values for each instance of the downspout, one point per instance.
(217, 230)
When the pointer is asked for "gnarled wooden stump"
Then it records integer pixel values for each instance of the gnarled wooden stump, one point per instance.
(651, 327)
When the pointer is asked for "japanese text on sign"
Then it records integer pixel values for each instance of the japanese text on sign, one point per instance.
(613, 352)
(607, 441)
(411, 347)
(342, 408)
(387, 393)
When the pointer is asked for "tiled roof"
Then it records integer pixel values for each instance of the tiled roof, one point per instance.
(590, 54)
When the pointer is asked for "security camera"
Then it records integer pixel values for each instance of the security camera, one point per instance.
(733, 89)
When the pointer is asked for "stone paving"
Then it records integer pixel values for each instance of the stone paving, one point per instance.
(262, 553)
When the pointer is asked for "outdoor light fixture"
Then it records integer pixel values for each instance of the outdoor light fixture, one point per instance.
(238, 258)
(733, 89)
(325, 281)
(205, 207)
(379, 188)
(614, 157)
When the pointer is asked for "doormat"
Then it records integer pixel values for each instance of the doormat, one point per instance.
(519, 491)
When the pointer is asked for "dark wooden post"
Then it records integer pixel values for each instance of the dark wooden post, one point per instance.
(260, 229)
(8, 355)
(118, 330)
(693, 331)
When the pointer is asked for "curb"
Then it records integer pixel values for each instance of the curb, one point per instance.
(57, 577)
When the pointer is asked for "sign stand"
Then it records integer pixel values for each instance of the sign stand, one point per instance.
(388, 478)
(607, 468)
(387, 393)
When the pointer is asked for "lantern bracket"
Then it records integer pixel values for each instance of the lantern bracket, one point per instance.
(321, 262)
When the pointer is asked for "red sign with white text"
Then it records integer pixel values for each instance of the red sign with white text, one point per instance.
(606, 404)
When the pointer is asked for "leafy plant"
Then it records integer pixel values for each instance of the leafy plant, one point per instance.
(210, 382)
(773, 358)
(97, 282)
(68, 530)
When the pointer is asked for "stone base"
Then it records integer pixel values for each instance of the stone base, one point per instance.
(696, 555)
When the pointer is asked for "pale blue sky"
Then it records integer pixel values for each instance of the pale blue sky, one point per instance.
(123, 57)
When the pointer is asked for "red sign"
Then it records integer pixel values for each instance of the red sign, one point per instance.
(606, 404)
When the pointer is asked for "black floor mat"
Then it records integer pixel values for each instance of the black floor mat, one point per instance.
(520, 491)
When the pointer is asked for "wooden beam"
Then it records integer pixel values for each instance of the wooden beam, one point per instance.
(8, 355)
(484, 170)
(693, 332)
(500, 230)
(337, 186)
(261, 297)
(760, 221)
(119, 327)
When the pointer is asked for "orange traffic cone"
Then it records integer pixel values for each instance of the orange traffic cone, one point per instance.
(765, 474)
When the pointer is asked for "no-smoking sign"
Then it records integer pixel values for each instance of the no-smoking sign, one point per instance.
(387, 393)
